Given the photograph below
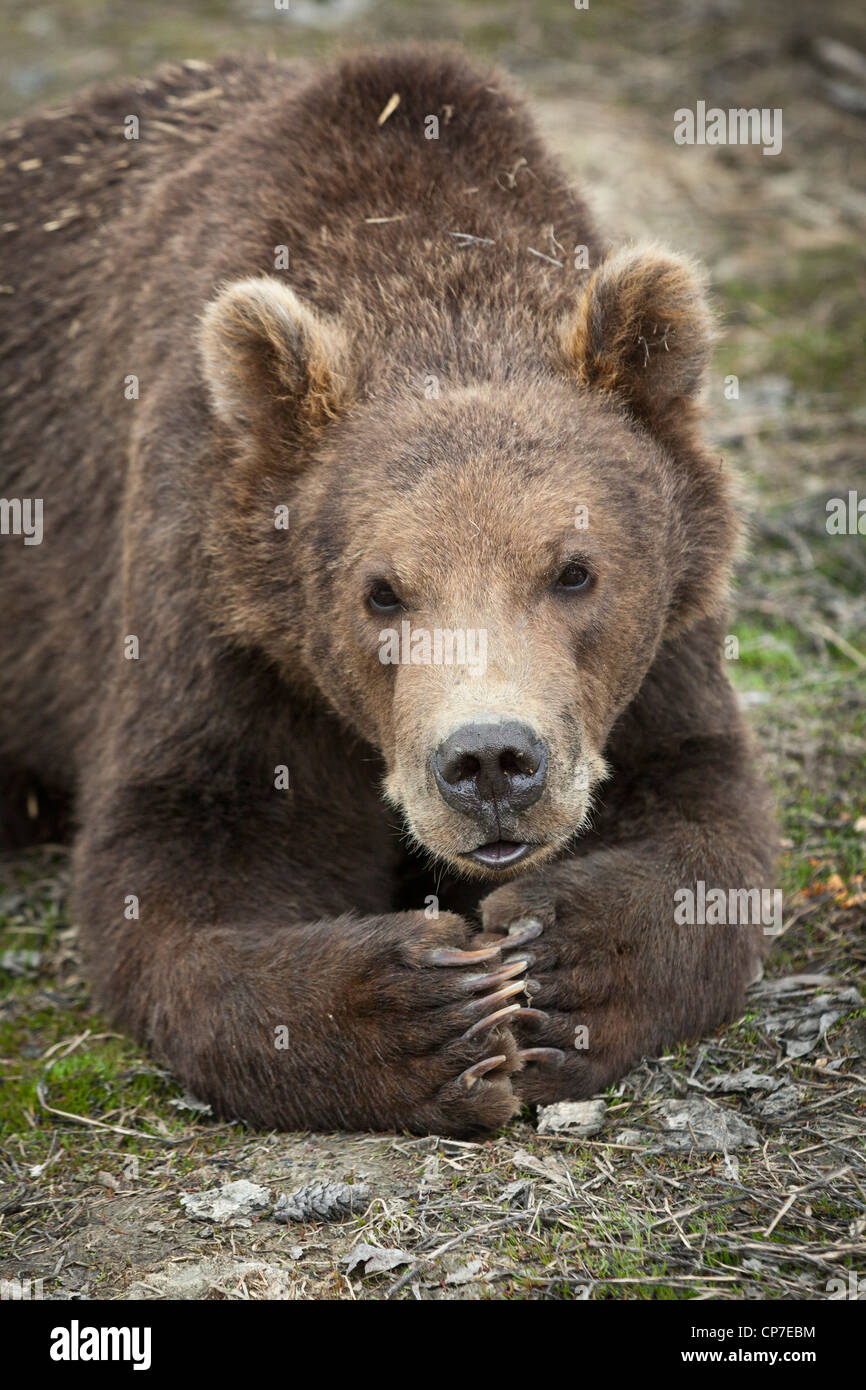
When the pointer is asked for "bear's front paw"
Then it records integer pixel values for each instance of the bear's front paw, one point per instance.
(445, 1007)
(577, 1035)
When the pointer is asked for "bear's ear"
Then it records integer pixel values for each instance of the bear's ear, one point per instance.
(642, 330)
(272, 365)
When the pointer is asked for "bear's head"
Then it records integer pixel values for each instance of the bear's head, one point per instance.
(476, 577)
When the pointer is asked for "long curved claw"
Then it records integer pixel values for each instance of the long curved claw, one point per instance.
(487, 1001)
(475, 982)
(527, 929)
(469, 1077)
(491, 1020)
(452, 955)
(533, 1016)
(554, 1056)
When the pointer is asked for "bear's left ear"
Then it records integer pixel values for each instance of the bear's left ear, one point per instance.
(272, 364)
(642, 330)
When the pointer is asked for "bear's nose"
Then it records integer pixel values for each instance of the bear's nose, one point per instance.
(479, 765)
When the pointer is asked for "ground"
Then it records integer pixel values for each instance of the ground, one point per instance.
(98, 1144)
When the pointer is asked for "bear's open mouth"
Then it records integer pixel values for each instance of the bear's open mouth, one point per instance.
(500, 854)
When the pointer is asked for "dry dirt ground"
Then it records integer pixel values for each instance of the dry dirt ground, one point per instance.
(736, 1168)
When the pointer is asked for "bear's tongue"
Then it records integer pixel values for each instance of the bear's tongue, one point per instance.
(498, 854)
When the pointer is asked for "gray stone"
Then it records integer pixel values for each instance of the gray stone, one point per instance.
(699, 1124)
(579, 1119)
(235, 1203)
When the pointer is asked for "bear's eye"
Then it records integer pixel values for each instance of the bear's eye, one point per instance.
(381, 597)
(574, 576)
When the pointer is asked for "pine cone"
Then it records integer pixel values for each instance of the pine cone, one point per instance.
(322, 1201)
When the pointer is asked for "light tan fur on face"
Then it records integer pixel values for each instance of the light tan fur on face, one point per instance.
(469, 543)
(432, 702)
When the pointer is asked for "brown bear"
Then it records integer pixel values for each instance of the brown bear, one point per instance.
(372, 636)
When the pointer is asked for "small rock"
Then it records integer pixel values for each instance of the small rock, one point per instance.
(214, 1278)
(375, 1259)
(235, 1203)
(746, 1080)
(631, 1137)
(781, 1105)
(579, 1119)
(698, 1124)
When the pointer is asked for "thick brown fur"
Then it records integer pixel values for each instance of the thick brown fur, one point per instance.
(281, 959)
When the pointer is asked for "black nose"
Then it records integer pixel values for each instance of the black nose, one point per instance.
(500, 763)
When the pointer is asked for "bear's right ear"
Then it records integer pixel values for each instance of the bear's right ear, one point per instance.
(272, 365)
